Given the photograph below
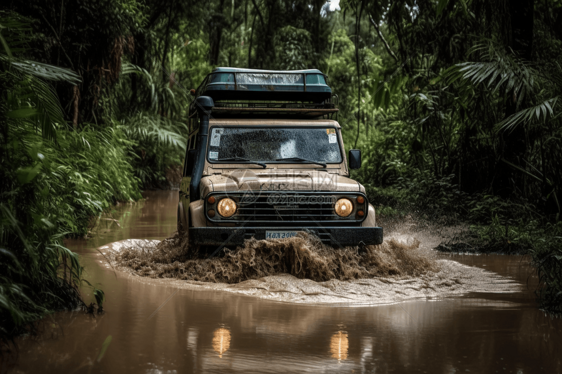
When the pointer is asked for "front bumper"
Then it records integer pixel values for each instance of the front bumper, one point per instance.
(334, 236)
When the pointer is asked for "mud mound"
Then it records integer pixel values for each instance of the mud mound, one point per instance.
(303, 256)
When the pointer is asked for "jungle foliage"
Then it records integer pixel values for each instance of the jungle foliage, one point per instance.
(454, 103)
(53, 180)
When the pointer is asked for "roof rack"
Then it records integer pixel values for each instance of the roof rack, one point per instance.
(253, 84)
(286, 109)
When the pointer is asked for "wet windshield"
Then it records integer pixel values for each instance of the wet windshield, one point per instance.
(296, 144)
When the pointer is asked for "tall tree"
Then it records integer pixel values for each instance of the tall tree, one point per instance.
(521, 14)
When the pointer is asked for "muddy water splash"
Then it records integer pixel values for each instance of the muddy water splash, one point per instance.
(303, 270)
(303, 256)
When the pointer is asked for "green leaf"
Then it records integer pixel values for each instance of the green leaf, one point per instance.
(386, 99)
(8, 253)
(22, 113)
(525, 116)
(46, 71)
(104, 347)
(378, 97)
(5, 45)
(47, 223)
(27, 174)
(100, 297)
(522, 170)
(441, 6)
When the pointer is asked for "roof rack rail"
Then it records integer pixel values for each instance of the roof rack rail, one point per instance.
(288, 109)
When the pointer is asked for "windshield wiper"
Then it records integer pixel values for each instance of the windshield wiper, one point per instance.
(302, 160)
(242, 159)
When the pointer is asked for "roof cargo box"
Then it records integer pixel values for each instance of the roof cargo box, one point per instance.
(253, 84)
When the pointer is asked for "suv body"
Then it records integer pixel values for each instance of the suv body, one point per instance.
(261, 164)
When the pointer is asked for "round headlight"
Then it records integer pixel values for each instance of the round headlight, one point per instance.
(226, 207)
(344, 207)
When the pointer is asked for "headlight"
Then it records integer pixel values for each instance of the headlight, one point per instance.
(226, 207)
(344, 207)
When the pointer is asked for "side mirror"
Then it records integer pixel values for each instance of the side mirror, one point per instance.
(191, 155)
(354, 159)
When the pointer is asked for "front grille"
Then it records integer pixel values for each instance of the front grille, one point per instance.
(288, 209)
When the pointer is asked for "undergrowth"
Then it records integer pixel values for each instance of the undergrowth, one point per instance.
(53, 178)
(87, 172)
(157, 144)
(49, 191)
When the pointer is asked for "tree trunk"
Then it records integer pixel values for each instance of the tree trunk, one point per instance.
(358, 66)
(215, 34)
(514, 141)
(215, 46)
(250, 46)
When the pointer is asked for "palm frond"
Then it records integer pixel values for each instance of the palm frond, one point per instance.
(497, 70)
(45, 71)
(128, 68)
(537, 113)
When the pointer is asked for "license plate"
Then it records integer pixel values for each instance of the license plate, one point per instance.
(280, 234)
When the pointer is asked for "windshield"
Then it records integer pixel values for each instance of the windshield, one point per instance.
(273, 144)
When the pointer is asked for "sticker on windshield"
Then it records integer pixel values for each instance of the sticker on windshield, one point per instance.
(330, 131)
(332, 138)
(216, 137)
(213, 155)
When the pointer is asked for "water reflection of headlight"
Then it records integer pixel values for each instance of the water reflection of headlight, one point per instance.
(339, 345)
(221, 341)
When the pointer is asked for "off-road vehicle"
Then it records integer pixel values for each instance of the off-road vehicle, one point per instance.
(265, 159)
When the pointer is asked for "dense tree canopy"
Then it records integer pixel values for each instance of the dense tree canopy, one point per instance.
(455, 103)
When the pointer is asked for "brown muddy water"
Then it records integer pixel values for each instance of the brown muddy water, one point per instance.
(474, 314)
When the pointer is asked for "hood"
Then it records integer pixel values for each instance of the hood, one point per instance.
(278, 180)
